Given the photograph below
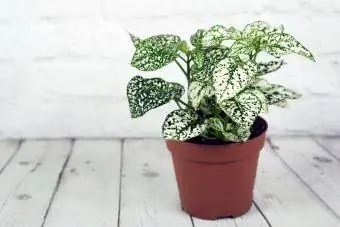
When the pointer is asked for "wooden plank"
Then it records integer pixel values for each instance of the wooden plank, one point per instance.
(149, 196)
(250, 219)
(8, 149)
(283, 198)
(314, 166)
(28, 183)
(331, 145)
(88, 195)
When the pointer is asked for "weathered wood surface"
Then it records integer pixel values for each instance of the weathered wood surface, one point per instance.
(95, 183)
(88, 194)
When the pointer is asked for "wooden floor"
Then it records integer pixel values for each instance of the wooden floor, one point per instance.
(130, 183)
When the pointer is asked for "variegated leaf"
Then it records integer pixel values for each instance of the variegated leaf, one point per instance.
(182, 125)
(238, 135)
(258, 29)
(282, 104)
(241, 47)
(201, 84)
(198, 58)
(230, 76)
(217, 124)
(155, 52)
(135, 40)
(218, 33)
(243, 109)
(229, 131)
(279, 44)
(146, 94)
(196, 39)
(269, 67)
(197, 91)
(262, 98)
(276, 93)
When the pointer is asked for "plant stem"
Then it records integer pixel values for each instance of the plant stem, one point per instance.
(188, 75)
(179, 106)
(183, 59)
(188, 67)
(185, 104)
(183, 70)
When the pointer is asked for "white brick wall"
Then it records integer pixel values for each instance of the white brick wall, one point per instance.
(64, 64)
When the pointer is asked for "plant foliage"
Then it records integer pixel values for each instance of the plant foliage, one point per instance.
(226, 89)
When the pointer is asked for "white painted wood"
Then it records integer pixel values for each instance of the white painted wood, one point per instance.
(7, 149)
(28, 182)
(283, 198)
(332, 145)
(251, 219)
(88, 195)
(314, 165)
(149, 191)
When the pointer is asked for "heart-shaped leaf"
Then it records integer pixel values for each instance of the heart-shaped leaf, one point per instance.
(155, 52)
(231, 76)
(244, 108)
(182, 125)
(146, 94)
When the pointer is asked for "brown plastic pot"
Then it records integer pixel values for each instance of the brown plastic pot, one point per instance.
(216, 181)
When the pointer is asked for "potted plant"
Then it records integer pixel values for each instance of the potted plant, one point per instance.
(216, 135)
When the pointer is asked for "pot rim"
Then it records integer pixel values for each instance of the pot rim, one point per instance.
(228, 144)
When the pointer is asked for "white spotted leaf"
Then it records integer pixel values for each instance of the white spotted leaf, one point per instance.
(231, 76)
(268, 67)
(198, 91)
(276, 94)
(155, 52)
(218, 33)
(182, 125)
(243, 109)
(146, 94)
(279, 44)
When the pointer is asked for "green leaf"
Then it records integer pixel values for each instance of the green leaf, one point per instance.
(135, 40)
(218, 33)
(201, 84)
(155, 52)
(184, 47)
(198, 91)
(196, 39)
(238, 135)
(182, 125)
(231, 76)
(276, 93)
(230, 131)
(282, 104)
(243, 109)
(198, 58)
(263, 99)
(279, 44)
(216, 123)
(146, 94)
(269, 67)
(259, 28)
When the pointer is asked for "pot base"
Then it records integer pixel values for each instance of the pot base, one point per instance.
(212, 217)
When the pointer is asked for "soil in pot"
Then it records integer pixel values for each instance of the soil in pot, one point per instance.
(216, 179)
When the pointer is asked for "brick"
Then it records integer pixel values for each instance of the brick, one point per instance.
(46, 41)
(86, 78)
(76, 35)
(65, 8)
(7, 42)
